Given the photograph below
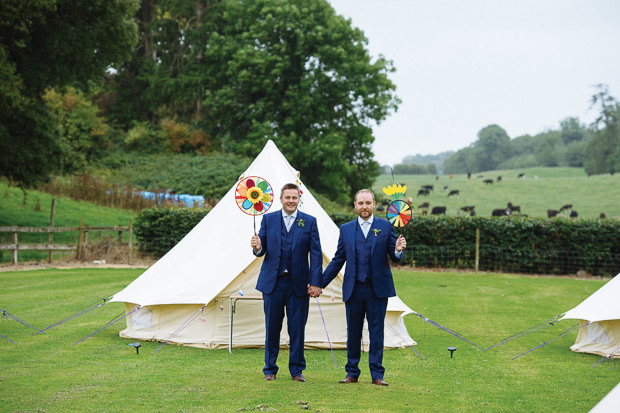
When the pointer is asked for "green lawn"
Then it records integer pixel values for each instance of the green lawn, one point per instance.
(44, 372)
(540, 190)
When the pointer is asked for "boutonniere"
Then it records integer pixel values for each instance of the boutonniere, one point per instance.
(300, 222)
(376, 231)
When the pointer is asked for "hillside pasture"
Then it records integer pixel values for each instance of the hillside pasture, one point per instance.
(45, 372)
(539, 190)
(36, 213)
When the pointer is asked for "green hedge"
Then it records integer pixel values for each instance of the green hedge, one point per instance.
(509, 244)
(160, 229)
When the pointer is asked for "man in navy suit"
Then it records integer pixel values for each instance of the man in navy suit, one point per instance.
(365, 244)
(286, 238)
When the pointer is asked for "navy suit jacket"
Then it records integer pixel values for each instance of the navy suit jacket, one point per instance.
(383, 246)
(305, 241)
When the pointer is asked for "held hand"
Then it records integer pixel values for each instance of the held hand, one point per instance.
(401, 243)
(255, 243)
(314, 291)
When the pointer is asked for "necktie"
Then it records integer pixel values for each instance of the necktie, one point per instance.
(365, 228)
(288, 221)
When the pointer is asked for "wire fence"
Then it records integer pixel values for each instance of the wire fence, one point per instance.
(527, 261)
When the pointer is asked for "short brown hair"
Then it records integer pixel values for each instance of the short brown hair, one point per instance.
(365, 190)
(289, 186)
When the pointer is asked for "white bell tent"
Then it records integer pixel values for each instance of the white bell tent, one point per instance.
(202, 293)
(602, 311)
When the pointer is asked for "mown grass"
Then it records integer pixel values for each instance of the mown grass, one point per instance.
(44, 372)
(36, 213)
(540, 190)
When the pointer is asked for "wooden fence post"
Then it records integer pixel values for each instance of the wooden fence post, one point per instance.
(130, 240)
(14, 260)
(78, 253)
(51, 233)
(477, 248)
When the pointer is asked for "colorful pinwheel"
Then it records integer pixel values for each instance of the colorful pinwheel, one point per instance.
(399, 213)
(254, 195)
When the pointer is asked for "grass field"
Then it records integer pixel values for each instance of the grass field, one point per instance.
(540, 190)
(45, 373)
(68, 214)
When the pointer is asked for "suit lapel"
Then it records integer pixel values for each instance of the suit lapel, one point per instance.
(371, 234)
(278, 229)
(295, 230)
(351, 236)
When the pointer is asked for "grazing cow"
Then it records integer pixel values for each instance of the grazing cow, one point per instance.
(520, 176)
(436, 177)
(428, 187)
(500, 212)
(425, 212)
(514, 208)
(488, 181)
(499, 178)
(552, 213)
(567, 206)
(453, 192)
(424, 205)
(438, 210)
(445, 187)
(467, 208)
(468, 175)
(423, 192)
(472, 213)
(573, 213)
(602, 216)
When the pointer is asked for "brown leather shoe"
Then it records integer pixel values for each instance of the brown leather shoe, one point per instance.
(270, 377)
(348, 380)
(300, 377)
(379, 382)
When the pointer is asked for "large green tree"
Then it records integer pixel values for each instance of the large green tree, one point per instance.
(603, 153)
(44, 44)
(247, 71)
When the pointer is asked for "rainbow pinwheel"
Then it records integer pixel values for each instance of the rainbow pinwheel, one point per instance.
(399, 213)
(254, 195)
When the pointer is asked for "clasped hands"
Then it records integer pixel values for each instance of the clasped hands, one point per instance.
(314, 291)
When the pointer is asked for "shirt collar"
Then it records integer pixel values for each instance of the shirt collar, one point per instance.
(294, 214)
(370, 220)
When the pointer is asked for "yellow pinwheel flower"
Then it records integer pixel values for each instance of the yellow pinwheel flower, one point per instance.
(395, 191)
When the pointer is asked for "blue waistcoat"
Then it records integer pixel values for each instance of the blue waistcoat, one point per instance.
(286, 246)
(362, 255)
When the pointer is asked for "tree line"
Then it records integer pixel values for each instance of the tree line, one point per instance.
(83, 80)
(594, 147)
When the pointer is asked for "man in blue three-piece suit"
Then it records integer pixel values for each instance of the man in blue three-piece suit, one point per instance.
(286, 238)
(365, 244)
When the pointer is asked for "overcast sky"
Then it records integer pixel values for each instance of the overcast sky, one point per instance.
(462, 65)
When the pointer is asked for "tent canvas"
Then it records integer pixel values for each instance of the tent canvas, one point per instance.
(610, 403)
(212, 271)
(602, 311)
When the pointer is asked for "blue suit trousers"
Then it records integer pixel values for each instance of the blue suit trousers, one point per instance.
(365, 304)
(282, 299)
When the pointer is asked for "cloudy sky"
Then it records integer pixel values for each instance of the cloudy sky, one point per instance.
(462, 65)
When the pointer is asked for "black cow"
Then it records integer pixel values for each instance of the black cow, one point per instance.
(438, 210)
(499, 178)
(445, 187)
(423, 192)
(514, 208)
(424, 205)
(602, 216)
(428, 187)
(467, 208)
(500, 212)
(488, 181)
(520, 176)
(573, 213)
(453, 192)
(567, 206)
(552, 213)
(468, 175)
